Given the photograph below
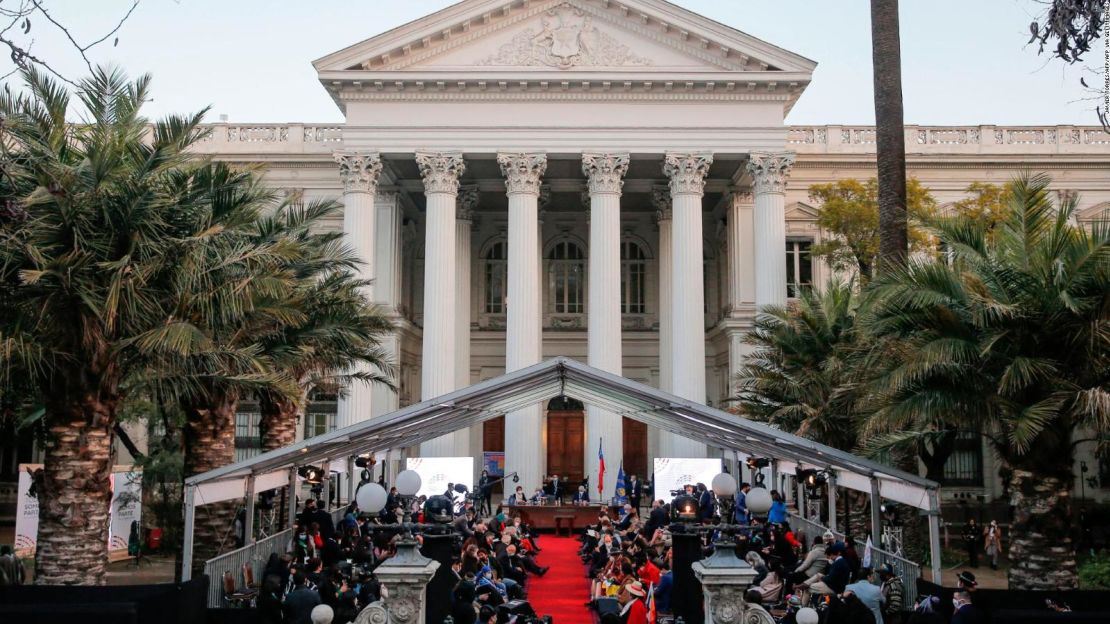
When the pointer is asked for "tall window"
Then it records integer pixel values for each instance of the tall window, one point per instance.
(247, 440)
(799, 267)
(318, 423)
(495, 267)
(965, 464)
(633, 278)
(566, 271)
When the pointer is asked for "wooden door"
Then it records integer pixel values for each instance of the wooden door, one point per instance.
(493, 434)
(635, 449)
(566, 438)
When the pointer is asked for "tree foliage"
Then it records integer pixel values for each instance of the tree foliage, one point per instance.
(849, 211)
(1072, 24)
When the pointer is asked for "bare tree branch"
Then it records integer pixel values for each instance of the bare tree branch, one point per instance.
(20, 52)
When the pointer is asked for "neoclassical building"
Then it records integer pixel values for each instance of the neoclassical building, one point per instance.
(609, 180)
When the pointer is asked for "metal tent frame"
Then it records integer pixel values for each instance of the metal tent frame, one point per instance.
(463, 408)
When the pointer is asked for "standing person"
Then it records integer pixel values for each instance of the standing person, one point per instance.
(777, 514)
(740, 515)
(972, 536)
(963, 611)
(635, 491)
(300, 602)
(11, 568)
(993, 543)
(485, 494)
(870, 595)
(893, 594)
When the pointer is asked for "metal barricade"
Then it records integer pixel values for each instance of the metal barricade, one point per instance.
(906, 570)
(256, 554)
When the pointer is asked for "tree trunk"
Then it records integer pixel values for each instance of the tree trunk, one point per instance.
(1041, 554)
(210, 444)
(74, 490)
(278, 426)
(890, 135)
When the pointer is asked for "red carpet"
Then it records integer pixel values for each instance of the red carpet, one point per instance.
(562, 592)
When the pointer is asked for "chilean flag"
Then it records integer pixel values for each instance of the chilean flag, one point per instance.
(600, 468)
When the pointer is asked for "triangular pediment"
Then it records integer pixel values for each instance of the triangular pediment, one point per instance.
(558, 35)
(801, 211)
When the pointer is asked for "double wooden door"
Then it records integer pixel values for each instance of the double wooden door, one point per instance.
(566, 438)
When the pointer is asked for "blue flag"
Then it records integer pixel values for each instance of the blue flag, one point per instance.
(621, 497)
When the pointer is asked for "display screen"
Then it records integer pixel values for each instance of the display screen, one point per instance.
(673, 473)
(436, 473)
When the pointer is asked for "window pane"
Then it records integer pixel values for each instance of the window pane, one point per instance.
(805, 265)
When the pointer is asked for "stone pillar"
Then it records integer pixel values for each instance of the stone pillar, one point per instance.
(359, 172)
(605, 173)
(387, 288)
(441, 173)
(524, 448)
(662, 199)
(740, 206)
(405, 578)
(464, 224)
(687, 173)
(724, 578)
(769, 172)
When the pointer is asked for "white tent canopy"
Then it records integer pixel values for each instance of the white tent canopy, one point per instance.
(433, 418)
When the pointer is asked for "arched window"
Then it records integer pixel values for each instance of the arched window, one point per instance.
(565, 272)
(494, 261)
(633, 278)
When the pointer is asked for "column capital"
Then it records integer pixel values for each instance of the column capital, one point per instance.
(661, 200)
(770, 170)
(359, 171)
(441, 171)
(523, 172)
(687, 172)
(468, 201)
(605, 172)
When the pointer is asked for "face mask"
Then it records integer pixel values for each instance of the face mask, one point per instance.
(956, 603)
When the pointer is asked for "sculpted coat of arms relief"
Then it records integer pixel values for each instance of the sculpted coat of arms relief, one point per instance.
(567, 39)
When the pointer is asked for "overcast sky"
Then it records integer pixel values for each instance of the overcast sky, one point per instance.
(963, 61)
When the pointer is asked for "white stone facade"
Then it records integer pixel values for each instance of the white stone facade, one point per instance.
(608, 181)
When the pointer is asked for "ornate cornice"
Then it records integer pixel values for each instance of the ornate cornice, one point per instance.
(467, 202)
(687, 172)
(359, 171)
(605, 172)
(441, 171)
(743, 198)
(523, 172)
(770, 170)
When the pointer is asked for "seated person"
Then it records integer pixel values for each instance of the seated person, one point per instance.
(518, 497)
(581, 497)
(836, 579)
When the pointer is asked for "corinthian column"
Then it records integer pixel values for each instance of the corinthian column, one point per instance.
(687, 173)
(605, 173)
(661, 197)
(769, 172)
(523, 435)
(441, 173)
(359, 172)
(464, 224)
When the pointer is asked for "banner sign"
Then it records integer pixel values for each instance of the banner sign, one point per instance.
(494, 463)
(127, 505)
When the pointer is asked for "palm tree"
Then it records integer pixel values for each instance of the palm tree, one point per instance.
(890, 135)
(1011, 338)
(86, 270)
(800, 376)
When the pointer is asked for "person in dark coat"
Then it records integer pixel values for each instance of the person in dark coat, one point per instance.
(963, 611)
(300, 602)
(269, 601)
(657, 519)
(635, 491)
(462, 602)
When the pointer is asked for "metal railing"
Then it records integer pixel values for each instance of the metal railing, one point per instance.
(906, 570)
(256, 555)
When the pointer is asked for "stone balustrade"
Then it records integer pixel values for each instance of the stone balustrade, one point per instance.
(296, 138)
(954, 139)
(292, 138)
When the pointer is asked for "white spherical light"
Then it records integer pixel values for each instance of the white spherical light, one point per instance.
(370, 498)
(807, 615)
(408, 483)
(724, 484)
(759, 501)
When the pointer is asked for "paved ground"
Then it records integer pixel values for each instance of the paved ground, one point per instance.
(151, 570)
(986, 577)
